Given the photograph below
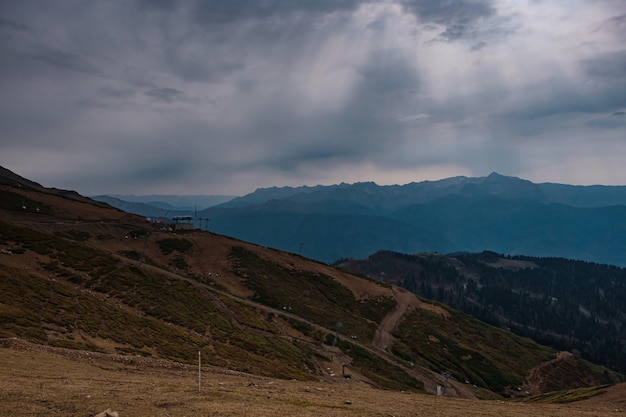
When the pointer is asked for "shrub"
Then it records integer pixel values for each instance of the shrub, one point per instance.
(168, 246)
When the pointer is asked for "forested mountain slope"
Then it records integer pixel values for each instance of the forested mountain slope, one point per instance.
(570, 305)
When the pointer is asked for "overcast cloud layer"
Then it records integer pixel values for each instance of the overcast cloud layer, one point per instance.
(224, 96)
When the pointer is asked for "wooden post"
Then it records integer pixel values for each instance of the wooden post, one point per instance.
(199, 372)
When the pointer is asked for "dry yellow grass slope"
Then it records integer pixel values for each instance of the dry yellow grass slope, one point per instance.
(38, 380)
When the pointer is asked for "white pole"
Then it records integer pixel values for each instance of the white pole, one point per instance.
(199, 372)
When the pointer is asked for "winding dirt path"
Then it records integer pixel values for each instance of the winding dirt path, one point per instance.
(405, 302)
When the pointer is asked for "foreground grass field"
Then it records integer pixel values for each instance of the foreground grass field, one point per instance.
(38, 381)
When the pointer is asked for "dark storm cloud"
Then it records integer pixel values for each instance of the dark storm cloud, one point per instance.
(209, 94)
(458, 17)
(219, 38)
(607, 72)
(168, 95)
(66, 61)
(232, 10)
(610, 66)
(619, 22)
(9, 24)
(570, 97)
(116, 92)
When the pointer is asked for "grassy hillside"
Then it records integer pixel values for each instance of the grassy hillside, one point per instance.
(85, 276)
(38, 381)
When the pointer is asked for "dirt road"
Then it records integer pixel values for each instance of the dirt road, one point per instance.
(405, 302)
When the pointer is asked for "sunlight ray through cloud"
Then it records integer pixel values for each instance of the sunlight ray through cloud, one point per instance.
(250, 93)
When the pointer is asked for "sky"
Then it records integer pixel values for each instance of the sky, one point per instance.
(226, 96)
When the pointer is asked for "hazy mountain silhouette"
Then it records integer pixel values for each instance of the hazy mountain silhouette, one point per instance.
(500, 213)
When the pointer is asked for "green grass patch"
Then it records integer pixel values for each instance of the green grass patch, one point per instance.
(68, 253)
(315, 297)
(14, 201)
(179, 262)
(471, 350)
(379, 370)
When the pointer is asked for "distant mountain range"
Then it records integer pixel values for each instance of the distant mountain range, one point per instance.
(174, 202)
(503, 214)
(162, 206)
